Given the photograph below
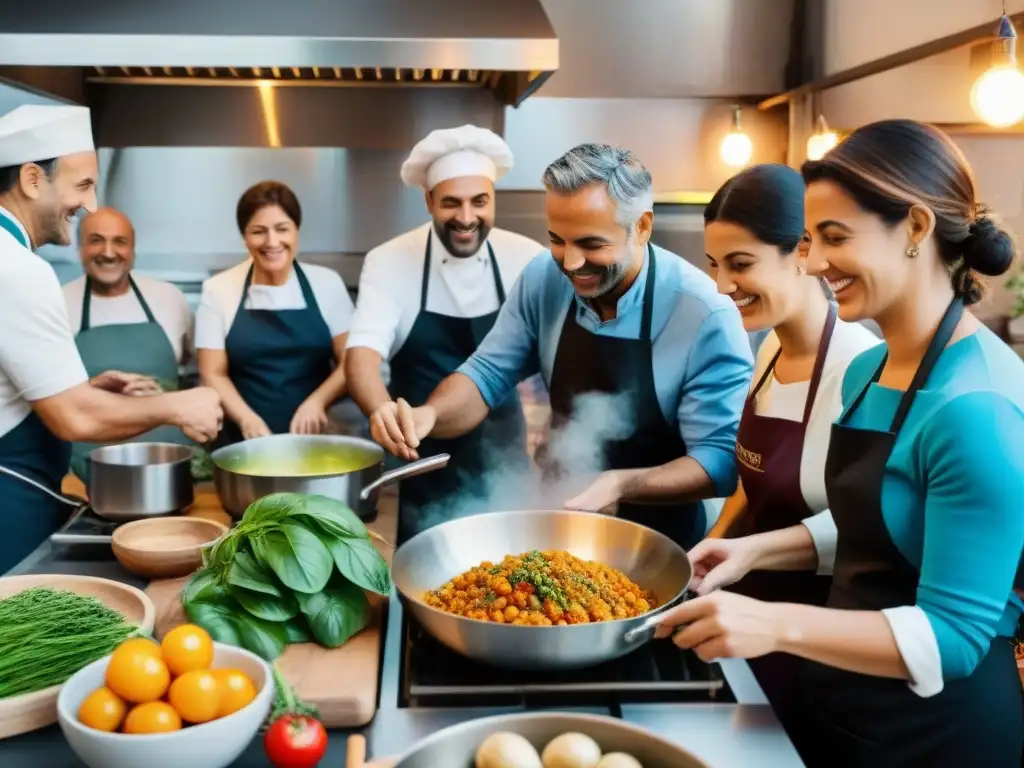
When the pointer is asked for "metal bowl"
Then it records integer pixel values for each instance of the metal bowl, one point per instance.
(433, 557)
(455, 747)
(132, 481)
(289, 454)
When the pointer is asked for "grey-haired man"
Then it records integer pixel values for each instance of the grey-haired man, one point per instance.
(605, 311)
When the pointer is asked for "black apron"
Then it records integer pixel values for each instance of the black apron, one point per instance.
(863, 721)
(769, 453)
(436, 346)
(277, 358)
(27, 515)
(585, 363)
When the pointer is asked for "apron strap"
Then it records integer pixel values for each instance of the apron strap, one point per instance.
(947, 326)
(648, 309)
(819, 361)
(499, 287)
(764, 376)
(85, 323)
(426, 273)
(950, 320)
(9, 225)
(307, 290)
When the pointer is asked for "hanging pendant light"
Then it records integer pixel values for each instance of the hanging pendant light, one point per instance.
(736, 146)
(998, 95)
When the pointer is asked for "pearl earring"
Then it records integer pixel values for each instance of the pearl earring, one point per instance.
(913, 252)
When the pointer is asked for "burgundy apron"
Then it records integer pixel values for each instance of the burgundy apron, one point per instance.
(768, 452)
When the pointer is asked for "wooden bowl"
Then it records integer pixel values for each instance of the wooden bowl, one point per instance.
(164, 547)
(30, 711)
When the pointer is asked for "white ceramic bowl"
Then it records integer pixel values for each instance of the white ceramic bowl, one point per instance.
(215, 744)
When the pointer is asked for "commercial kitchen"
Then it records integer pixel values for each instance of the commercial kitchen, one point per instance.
(191, 107)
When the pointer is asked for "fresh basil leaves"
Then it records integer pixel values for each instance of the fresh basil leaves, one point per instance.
(293, 570)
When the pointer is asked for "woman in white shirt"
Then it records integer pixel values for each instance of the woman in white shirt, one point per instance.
(754, 226)
(270, 334)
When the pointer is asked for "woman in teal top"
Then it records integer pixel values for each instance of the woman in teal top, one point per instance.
(911, 661)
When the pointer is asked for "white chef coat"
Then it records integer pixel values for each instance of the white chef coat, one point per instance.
(390, 285)
(38, 356)
(166, 301)
(786, 401)
(222, 293)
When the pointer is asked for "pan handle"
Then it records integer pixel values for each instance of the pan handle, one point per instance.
(649, 624)
(428, 464)
(71, 501)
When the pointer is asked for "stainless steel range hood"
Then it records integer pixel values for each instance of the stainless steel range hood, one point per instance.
(278, 73)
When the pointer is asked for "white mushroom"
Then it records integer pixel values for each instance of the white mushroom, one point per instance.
(571, 750)
(507, 750)
(619, 760)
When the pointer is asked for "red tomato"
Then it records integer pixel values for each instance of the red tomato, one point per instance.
(295, 741)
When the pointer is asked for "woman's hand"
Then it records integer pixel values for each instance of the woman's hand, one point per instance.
(601, 495)
(253, 426)
(310, 418)
(724, 625)
(720, 562)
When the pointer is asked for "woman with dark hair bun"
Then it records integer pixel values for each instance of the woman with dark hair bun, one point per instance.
(753, 230)
(270, 332)
(911, 663)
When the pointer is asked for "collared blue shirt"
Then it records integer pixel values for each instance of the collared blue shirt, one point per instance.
(702, 356)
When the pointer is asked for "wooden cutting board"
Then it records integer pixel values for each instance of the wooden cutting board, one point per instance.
(355, 756)
(340, 682)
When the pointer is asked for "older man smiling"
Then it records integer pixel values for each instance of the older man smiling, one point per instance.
(605, 311)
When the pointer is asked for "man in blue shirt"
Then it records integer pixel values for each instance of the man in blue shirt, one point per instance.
(607, 315)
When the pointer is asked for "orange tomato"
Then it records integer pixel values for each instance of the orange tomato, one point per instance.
(146, 644)
(236, 690)
(152, 717)
(195, 696)
(102, 710)
(187, 648)
(136, 675)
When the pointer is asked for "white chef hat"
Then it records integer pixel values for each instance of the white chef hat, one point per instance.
(452, 152)
(37, 132)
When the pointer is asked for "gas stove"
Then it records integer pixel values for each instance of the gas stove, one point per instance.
(85, 527)
(434, 676)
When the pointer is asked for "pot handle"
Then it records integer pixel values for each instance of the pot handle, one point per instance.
(651, 623)
(428, 464)
(71, 501)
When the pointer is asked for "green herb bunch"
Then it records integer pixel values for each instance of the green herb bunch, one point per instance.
(295, 569)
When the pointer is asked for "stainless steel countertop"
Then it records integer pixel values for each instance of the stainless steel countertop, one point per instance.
(729, 735)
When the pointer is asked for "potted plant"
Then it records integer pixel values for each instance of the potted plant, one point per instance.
(1016, 327)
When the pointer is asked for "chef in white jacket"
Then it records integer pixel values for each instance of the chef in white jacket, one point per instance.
(426, 300)
(48, 173)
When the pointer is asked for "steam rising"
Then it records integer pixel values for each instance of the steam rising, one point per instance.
(512, 483)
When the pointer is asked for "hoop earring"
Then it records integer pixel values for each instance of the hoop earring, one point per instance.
(913, 252)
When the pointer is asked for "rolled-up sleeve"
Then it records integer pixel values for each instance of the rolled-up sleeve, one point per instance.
(37, 350)
(973, 537)
(377, 315)
(717, 377)
(508, 354)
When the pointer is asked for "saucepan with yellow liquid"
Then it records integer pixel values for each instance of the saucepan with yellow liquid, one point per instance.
(349, 469)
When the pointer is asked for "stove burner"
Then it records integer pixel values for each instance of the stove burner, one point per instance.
(434, 676)
(85, 527)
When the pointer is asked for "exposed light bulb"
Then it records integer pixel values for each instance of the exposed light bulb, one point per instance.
(821, 141)
(998, 96)
(737, 148)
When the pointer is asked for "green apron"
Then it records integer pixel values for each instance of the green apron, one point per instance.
(141, 348)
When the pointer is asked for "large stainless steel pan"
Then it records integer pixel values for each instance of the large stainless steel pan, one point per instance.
(455, 747)
(289, 454)
(434, 556)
